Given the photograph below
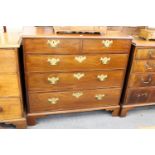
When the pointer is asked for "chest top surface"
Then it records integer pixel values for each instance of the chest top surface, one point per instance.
(10, 40)
(143, 43)
(47, 32)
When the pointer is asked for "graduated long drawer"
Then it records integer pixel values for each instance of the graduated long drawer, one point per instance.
(74, 80)
(69, 100)
(48, 63)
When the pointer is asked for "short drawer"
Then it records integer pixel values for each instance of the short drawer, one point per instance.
(108, 46)
(69, 100)
(74, 80)
(141, 95)
(8, 61)
(142, 80)
(56, 46)
(145, 54)
(138, 95)
(9, 85)
(10, 108)
(143, 66)
(48, 63)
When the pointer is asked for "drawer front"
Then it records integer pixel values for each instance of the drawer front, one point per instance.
(10, 108)
(136, 96)
(8, 60)
(142, 80)
(74, 80)
(145, 54)
(48, 63)
(99, 45)
(57, 46)
(143, 66)
(9, 85)
(58, 101)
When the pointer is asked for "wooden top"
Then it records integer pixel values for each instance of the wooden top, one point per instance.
(10, 40)
(46, 32)
(143, 43)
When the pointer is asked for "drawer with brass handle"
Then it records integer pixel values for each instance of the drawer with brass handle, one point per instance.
(145, 54)
(10, 108)
(106, 46)
(70, 100)
(76, 80)
(40, 63)
(53, 46)
(142, 80)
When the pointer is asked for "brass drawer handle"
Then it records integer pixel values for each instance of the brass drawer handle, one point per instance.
(53, 100)
(107, 43)
(53, 80)
(1, 109)
(142, 95)
(151, 54)
(80, 59)
(78, 75)
(53, 61)
(105, 60)
(99, 96)
(148, 65)
(77, 94)
(53, 43)
(102, 77)
(149, 80)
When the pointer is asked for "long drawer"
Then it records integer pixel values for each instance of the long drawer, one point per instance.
(48, 63)
(8, 60)
(142, 80)
(10, 108)
(143, 66)
(74, 80)
(140, 95)
(69, 100)
(9, 85)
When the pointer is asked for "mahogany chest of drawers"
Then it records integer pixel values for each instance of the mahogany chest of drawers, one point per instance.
(73, 73)
(11, 101)
(140, 84)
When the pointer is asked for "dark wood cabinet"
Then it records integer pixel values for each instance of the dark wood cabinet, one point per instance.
(140, 81)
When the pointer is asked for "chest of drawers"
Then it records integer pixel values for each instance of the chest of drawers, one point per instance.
(73, 73)
(11, 101)
(140, 84)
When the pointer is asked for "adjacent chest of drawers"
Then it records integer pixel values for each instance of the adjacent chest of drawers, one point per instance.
(11, 102)
(73, 73)
(140, 84)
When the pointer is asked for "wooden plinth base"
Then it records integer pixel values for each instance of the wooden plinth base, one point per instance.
(31, 117)
(125, 108)
(18, 123)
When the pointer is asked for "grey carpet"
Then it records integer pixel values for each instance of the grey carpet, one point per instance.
(143, 117)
